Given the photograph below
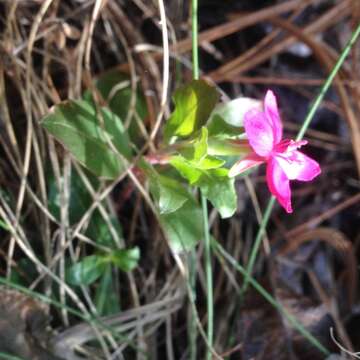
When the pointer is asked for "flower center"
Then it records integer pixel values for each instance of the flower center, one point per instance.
(287, 146)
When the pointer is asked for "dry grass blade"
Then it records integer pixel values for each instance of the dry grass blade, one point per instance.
(123, 323)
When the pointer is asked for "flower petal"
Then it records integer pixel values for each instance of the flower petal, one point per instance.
(272, 113)
(298, 166)
(279, 184)
(246, 163)
(259, 132)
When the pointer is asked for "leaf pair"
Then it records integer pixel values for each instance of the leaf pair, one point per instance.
(214, 184)
(90, 268)
(194, 104)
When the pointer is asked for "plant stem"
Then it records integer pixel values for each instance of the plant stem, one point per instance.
(207, 248)
(328, 83)
(325, 87)
(192, 256)
(209, 279)
(192, 328)
(194, 39)
(291, 319)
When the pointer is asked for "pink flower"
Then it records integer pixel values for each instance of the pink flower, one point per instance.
(284, 161)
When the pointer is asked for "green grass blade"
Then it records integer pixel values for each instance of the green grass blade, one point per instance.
(9, 357)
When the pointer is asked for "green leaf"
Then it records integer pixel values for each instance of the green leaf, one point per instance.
(214, 183)
(193, 105)
(210, 162)
(78, 127)
(200, 146)
(169, 193)
(79, 202)
(196, 150)
(79, 199)
(195, 156)
(192, 171)
(185, 168)
(107, 299)
(86, 271)
(219, 190)
(172, 195)
(182, 221)
(184, 227)
(115, 88)
(125, 259)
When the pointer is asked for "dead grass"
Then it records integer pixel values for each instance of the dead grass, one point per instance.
(52, 50)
